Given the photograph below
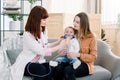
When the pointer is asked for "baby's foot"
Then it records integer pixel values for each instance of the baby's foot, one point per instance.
(76, 64)
(53, 63)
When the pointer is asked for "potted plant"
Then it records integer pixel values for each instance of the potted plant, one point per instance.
(15, 18)
(32, 1)
(21, 33)
(103, 35)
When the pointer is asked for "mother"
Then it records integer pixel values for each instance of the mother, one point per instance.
(87, 53)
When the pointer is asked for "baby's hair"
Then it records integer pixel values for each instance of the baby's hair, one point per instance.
(75, 31)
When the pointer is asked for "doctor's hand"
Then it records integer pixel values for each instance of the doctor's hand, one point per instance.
(65, 43)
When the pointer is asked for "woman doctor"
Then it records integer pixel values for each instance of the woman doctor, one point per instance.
(31, 60)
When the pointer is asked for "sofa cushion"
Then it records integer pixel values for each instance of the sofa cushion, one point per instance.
(100, 73)
(51, 40)
(12, 54)
(26, 78)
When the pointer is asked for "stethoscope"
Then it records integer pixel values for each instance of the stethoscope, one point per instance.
(35, 74)
(38, 75)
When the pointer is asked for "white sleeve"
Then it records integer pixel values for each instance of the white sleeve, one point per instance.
(74, 47)
(32, 44)
(45, 37)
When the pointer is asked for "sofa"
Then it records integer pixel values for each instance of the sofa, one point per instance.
(107, 65)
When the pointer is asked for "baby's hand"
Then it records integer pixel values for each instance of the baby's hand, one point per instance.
(62, 52)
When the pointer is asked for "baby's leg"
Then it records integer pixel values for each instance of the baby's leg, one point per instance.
(53, 63)
(73, 60)
(76, 63)
(58, 60)
(62, 59)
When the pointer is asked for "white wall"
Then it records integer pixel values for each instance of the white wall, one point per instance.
(64, 6)
(110, 11)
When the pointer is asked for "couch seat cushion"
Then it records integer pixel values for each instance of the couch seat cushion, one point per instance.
(100, 73)
(27, 78)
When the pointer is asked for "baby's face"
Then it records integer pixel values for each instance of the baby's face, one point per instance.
(69, 32)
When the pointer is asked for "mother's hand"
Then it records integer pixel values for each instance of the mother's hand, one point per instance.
(73, 55)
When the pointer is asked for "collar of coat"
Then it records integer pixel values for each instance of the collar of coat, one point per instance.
(88, 36)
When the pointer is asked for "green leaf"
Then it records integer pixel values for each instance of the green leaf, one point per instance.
(21, 33)
(20, 18)
(16, 17)
(104, 39)
(102, 36)
(32, 1)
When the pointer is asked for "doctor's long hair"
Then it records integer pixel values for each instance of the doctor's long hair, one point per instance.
(34, 21)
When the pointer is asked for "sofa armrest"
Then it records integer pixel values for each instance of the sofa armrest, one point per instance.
(117, 78)
(107, 59)
(112, 63)
(116, 69)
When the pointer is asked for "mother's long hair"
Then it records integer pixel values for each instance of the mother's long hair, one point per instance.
(84, 24)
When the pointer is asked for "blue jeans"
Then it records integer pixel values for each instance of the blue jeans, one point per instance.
(66, 60)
